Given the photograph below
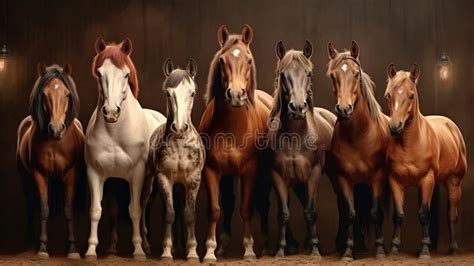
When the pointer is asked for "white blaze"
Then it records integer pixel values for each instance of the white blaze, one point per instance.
(396, 105)
(344, 67)
(56, 86)
(236, 52)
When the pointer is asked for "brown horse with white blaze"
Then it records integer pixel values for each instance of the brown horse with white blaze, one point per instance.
(236, 109)
(50, 147)
(360, 139)
(423, 151)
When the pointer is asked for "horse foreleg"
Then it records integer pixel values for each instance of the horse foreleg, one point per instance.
(262, 205)
(454, 198)
(347, 191)
(96, 184)
(110, 202)
(212, 178)
(145, 197)
(426, 186)
(167, 190)
(247, 186)
(281, 190)
(69, 182)
(42, 185)
(228, 204)
(377, 212)
(398, 192)
(135, 211)
(192, 190)
(310, 215)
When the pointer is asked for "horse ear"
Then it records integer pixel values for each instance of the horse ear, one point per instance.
(415, 72)
(100, 45)
(391, 71)
(67, 68)
(168, 67)
(126, 46)
(247, 34)
(222, 34)
(41, 69)
(308, 49)
(192, 68)
(331, 51)
(355, 49)
(280, 50)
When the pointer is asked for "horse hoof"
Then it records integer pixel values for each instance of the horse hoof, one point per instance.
(166, 260)
(315, 256)
(347, 258)
(265, 252)
(394, 251)
(424, 257)
(111, 251)
(250, 258)
(209, 261)
(280, 253)
(139, 257)
(74, 256)
(91, 257)
(43, 255)
(380, 256)
(220, 252)
(192, 260)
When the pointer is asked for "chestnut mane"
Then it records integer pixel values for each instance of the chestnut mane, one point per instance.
(119, 59)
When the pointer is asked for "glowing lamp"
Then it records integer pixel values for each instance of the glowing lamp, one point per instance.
(444, 65)
(4, 54)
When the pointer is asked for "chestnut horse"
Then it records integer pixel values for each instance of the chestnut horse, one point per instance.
(233, 123)
(299, 138)
(360, 139)
(423, 151)
(117, 138)
(50, 146)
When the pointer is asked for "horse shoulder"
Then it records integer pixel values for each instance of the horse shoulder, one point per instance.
(24, 126)
(265, 98)
(23, 142)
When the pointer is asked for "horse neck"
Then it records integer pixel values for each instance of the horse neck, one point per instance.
(412, 132)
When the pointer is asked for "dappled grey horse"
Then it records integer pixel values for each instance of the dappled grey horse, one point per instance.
(177, 153)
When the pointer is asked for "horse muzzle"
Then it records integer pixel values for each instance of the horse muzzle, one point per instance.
(396, 129)
(236, 98)
(344, 111)
(297, 111)
(56, 130)
(179, 131)
(111, 115)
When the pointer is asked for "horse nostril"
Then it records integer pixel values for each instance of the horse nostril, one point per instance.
(62, 126)
(338, 108)
(305, 106)
(291, 106)
(118, 109)
(50, 127)
(228, 94)
(173, 127)
(104, 110)
(350, 107)
(186, 126)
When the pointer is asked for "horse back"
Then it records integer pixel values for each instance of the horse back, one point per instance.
(452, 148)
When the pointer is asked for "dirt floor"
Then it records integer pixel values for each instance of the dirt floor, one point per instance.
(30, 258)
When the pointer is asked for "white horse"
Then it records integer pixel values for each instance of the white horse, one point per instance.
(177, 154)
(117, 137)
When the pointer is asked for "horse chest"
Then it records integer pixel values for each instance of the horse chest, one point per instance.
(294, 167)
(177, 159)
(53, 157)
(408, 166)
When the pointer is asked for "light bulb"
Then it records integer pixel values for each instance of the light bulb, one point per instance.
(444, 72)
(2, 64)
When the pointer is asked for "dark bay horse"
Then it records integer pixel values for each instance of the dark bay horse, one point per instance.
(423, 151)
(50, 146)
(234, 121)
(299, 137)
(360, 139)
(177, 153)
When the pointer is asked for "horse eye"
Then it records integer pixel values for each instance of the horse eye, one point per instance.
(332, 76)
(221, 60)
(412, 96)
(98, 74)
(250, 61)
(127, 75)
(192, 94)
(310, 74)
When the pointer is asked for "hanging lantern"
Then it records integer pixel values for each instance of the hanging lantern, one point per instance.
(444, 67)
(4, 54)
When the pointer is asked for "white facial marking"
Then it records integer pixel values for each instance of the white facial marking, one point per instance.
(400, 91)
(344, 67)
(183, 102)
(236, 52)
(113, 82)
(56, 86)
(396, 105)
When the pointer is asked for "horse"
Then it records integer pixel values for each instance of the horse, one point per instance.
(423, 151)
(298, 138)
(177, 153)
(360, 140)
(50, 147)
(117, 137)
(233, 123)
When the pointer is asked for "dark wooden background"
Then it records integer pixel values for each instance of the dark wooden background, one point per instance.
(388, 31)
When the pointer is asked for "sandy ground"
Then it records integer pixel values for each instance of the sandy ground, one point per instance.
(30, 258)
